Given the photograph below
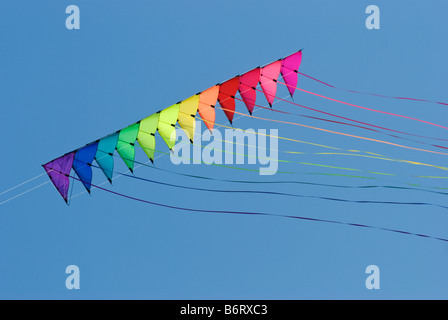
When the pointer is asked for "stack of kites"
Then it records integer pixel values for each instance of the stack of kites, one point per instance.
(164, 122)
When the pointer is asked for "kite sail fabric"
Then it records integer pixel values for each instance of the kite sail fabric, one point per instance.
(248, 83)
(268, 80)
(206, 108)
(58, 170)
(226, 97)
(125, 144)
(289, 70)
(147, 135)
(105, 154)
(167, 124)
(82, 164)
(187, 113)
(164, 122)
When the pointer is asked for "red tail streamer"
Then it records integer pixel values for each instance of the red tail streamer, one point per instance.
(349, 119)
(370, 94)
(365, 108)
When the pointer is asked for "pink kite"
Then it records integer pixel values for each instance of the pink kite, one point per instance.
(268, 80)
(290, 68)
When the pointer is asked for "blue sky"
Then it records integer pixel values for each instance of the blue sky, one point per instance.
(64, 88)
